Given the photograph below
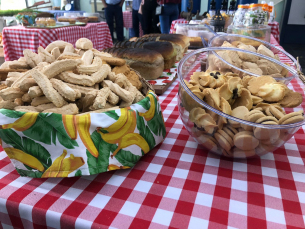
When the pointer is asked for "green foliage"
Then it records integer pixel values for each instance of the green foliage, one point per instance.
(145, 132)
(28, 146)
(99, 164)
(11, 114)
(145, 103)
(156, 124)
(48, 128)
(78, 173)
(112, 114)
(28, 173)
(126, 158)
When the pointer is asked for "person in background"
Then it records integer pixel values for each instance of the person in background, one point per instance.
(113, 8)
(169, 14)
(149, 18)
(136, 17)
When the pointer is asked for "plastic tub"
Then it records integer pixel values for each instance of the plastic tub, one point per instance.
(194, 30)
(217, 41)
(211, 138)
(262, 32)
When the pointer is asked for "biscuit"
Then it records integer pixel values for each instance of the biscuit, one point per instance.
(114, 61)
(125, 69)
(134, 79)
(224, 140)
(7, 105)
(39, 100)
(27, 83)
(238, 112)
(208, 142)
(291, 99)
(245, 100)
(11, 93)
(256, 83)
(292, 117)
(203, 120)
(70, 109)
(273, 111)
(245, 141)
(272, 92)
(84, 43)
(256, 100)
(26, 98)
(47, 88)
(45, 106)
(238, 153)
(262, 49)
(26, 109)
(87, 57)
(59, 44)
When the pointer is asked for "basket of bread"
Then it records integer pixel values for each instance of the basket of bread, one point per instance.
(76, 111)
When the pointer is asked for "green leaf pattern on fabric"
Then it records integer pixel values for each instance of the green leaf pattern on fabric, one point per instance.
(48, 134)
(101, 163)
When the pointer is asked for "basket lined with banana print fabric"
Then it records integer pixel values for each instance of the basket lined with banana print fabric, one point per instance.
(45, 145)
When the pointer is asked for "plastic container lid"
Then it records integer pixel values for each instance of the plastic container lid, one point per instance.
(243, 7)
(91, 14)
(72, 14)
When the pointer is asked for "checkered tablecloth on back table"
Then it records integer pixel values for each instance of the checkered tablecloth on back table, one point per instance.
(176, 185)
(18, 38)
(127, 17)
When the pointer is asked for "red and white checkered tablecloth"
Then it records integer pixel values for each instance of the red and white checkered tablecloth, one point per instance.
(176, 185)
(275, 27)
(18, 38)
(127, 17)
(275, 30)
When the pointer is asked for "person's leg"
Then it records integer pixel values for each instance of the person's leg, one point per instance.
(145, 21)
(109, 19)
(164, 19)
(135, 22)
(140, 21)
(118, 13)
(174, 13)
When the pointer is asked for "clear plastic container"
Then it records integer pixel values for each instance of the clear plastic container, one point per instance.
(194, 30)
(254, 16)
(253, 144)
(233, 39)
(45, 22)
(73, 15)
(262, 32)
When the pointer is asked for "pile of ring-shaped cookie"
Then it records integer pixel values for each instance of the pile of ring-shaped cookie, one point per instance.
(67, 80)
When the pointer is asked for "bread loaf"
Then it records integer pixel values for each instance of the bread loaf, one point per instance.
(195, 42)
(148, 63)
(166, 49)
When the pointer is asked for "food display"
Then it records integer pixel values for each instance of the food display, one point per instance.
(92, 17)
(259, 100)
(77, 111)
(245, 62)
(150, 55)
(43, 22)
(233, 115)
(61, 76)
(71, 20)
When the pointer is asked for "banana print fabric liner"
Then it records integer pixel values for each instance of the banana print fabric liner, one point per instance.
(45, 145)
